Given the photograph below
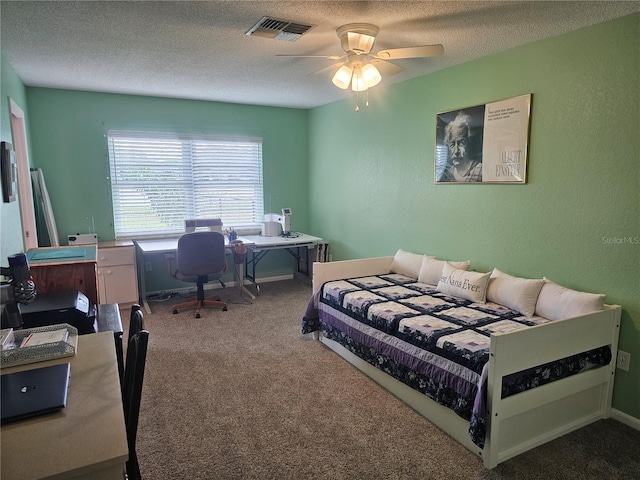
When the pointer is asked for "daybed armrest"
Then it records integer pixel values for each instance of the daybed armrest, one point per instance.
(325, 272)
(555, 340)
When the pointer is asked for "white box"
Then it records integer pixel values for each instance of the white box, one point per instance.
(83, 239)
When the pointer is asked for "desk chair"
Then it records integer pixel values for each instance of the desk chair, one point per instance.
(136, 323)
(201, 257)
(132, 395)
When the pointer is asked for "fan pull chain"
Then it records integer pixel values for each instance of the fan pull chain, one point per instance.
(366, 103)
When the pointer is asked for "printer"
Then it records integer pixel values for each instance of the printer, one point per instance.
(51, 308)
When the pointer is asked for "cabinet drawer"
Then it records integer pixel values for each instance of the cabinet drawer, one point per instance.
(116, 256)
(118, 284)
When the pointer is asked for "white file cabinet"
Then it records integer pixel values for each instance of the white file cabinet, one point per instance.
(117, 274)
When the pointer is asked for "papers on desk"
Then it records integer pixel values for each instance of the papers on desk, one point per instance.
(40, 338)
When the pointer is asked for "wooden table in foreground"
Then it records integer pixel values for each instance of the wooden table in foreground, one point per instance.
(87, 439)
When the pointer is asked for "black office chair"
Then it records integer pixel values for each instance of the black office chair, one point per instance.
(136, 323)
(132, 395)
(201, 257)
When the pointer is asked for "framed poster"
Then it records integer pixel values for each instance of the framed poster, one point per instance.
(8, 169)
(485, 143)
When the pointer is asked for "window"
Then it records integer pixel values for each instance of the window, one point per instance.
(158, 181)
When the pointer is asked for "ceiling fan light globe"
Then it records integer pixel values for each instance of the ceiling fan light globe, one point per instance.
(371, 75)
(357, 81)
(342, 77)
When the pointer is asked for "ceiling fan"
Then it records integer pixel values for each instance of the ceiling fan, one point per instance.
(359, 67)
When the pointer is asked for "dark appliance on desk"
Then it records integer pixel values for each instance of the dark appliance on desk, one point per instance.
(18, 289)
(51, 308)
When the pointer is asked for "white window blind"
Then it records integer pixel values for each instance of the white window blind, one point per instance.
(158, 181)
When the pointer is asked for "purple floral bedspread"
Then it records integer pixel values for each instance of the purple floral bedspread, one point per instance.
(432, 342)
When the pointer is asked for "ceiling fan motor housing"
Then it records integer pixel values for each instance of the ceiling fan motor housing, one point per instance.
(354, 42)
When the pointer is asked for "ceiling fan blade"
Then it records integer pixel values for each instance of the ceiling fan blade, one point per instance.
(411, 52)
(331, 67)
(385, 68)
(327, 57)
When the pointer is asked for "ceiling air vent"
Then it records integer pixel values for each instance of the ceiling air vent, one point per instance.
(279, 29)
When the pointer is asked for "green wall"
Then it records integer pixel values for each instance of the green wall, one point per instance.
(372, 185)
(10, 224)
(69, 144)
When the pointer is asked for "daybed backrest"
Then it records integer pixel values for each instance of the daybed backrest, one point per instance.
(540, 297)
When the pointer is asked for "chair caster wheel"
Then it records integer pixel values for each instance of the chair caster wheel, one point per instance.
(224, 309)
(197, 315)
(175, 311)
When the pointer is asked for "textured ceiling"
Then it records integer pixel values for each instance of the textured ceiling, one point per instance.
(199, 50)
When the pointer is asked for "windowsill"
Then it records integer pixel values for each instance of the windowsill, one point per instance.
(239, 232)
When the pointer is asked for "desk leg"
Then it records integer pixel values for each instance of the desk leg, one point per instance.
(147, 307)
(301, 274)
(239, 273)
(305, 261)
(256, 256)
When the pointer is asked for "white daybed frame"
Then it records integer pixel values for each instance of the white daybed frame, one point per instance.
(525, 420)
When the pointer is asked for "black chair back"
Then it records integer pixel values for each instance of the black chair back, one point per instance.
(132, 395)
(136, 321)
(117, 336)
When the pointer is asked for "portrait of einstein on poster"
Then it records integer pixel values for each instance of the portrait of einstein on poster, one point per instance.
(484, 143)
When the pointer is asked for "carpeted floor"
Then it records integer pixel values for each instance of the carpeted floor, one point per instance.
(240, 395)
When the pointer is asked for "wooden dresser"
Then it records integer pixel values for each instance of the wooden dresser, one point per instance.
(61, 269)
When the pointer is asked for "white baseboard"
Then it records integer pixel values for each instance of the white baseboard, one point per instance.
(622, 417)
(214, 285)
(274, 279)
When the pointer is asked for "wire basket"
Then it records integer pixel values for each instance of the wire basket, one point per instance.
(40, 353)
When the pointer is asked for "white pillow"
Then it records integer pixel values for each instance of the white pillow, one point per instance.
(431, 269)
(407, 263)
(556, 302)
(460, 283)
(519, 294)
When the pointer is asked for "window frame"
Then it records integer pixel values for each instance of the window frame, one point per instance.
(196, 176)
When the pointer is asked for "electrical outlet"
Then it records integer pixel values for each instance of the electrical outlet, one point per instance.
(624, 359)
(147, 266)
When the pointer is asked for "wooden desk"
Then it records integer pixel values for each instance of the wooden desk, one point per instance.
(63, 269)
(86, 440)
